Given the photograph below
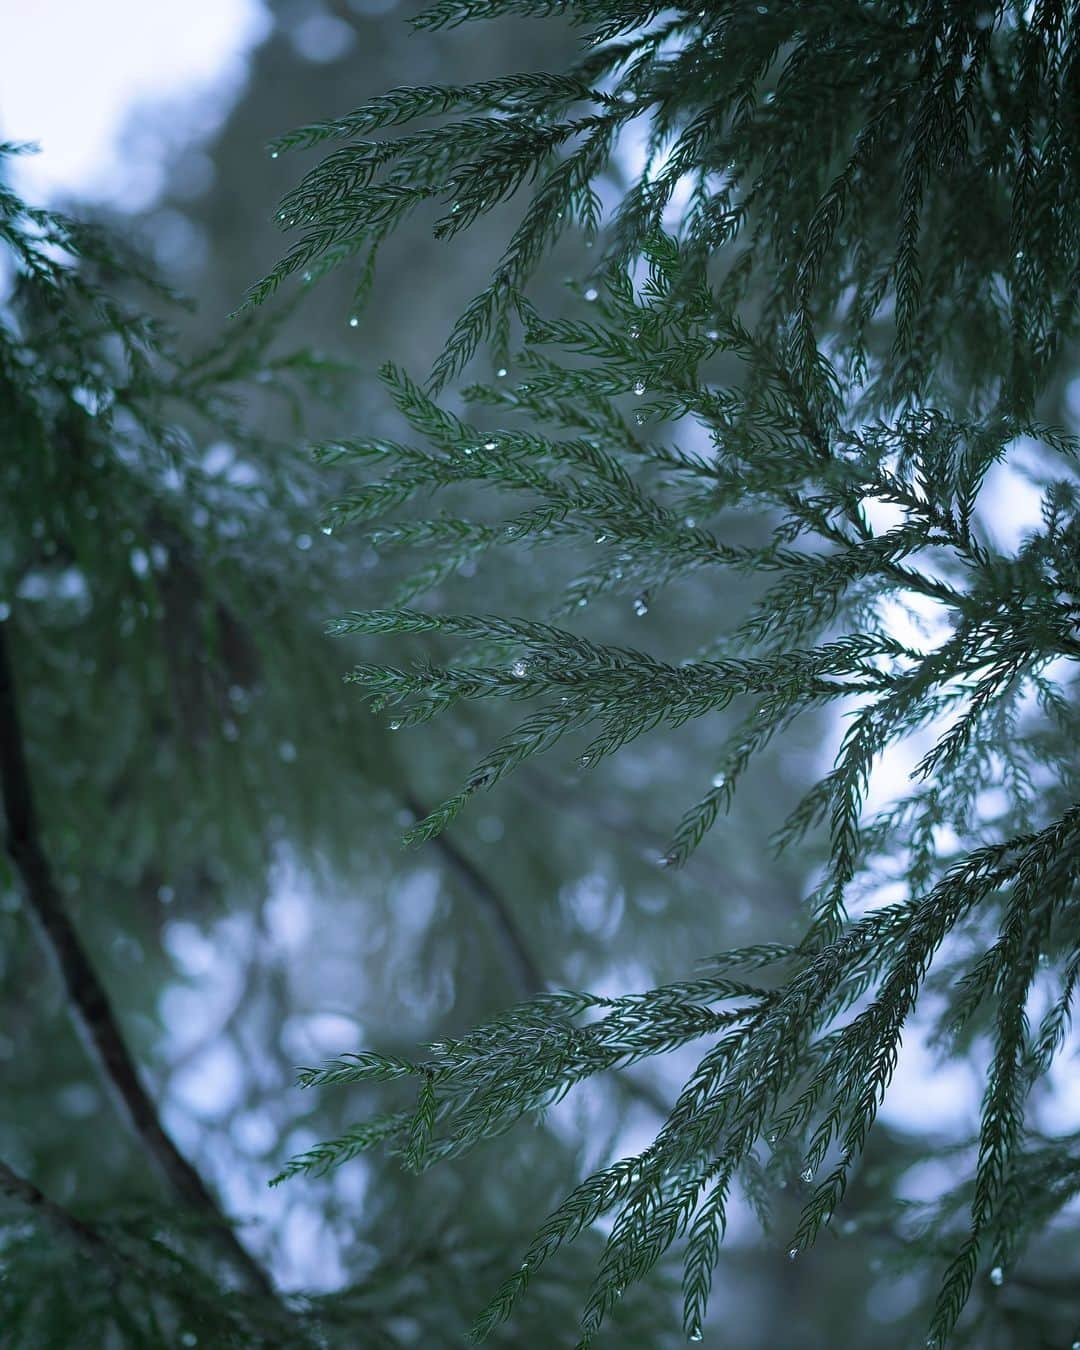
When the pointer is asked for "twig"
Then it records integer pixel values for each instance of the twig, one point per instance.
(147, 1273)
(88, 1001)
(524, 972)
(66, 1226)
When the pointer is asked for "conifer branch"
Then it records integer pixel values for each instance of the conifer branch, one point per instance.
(65, 1226)
(87, 1000)
(860, 306)
(522, 971)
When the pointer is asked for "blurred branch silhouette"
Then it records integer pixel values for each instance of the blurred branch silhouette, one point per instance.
(88, 1001)
(66, 1226)
(522, 970)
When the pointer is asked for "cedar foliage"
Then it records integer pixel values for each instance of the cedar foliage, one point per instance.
(840, 293)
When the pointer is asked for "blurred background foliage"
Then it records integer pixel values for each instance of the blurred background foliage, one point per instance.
(222, 812)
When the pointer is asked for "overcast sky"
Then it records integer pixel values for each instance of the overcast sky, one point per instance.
(73, 74)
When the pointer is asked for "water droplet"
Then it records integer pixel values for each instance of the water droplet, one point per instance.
(773, 1136)
(520, 668)
(287, 752)
(501, 373)
(997, 1277)
(1019, 255)
(763, 9)
(455, 208)
(628, 96)
(807, 1174)
(667, 860)
(713, 334)
(582, 602)
(395, 724)
(354, 322)
(328, 529)
(491, 445)
(468, 449)
(695, 1334)
(1044, 961)
(601, 538)
(634, 331)
(591, 294)
(718, 781)
(792, 1253)
(585, 761)
(307, 276)
(1075, 1345)
(303, 542)
(641, 605)
(188, 1338)
(640, 417)
(273, 154)
(639, 386)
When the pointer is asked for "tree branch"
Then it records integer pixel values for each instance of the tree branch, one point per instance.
(147, 1275)
(87, 999)
(524, 973)
(66, 1226)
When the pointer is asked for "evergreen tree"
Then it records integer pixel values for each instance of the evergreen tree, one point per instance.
(167, 737)
(128, 649)
(841, 292)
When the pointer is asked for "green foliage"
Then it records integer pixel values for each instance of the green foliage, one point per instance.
(130, 617)
(180, 736)
(847, 279)
(134, 1281)
(151, 527)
